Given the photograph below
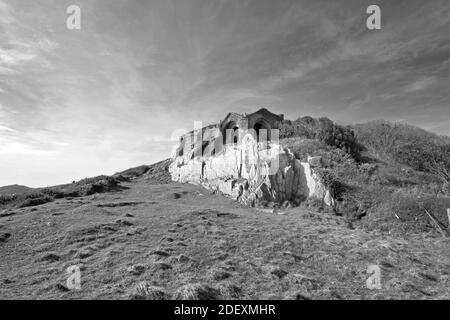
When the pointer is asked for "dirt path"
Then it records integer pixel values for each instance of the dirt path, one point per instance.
(172, 235)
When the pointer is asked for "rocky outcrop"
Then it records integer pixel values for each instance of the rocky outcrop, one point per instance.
(254, 174)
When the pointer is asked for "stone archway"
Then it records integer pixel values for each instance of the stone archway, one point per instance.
(234, 137)
(262, 124)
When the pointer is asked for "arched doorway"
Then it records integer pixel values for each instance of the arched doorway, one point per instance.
(231, 137)
(262, 130)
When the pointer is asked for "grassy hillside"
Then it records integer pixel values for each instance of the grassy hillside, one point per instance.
(386, 175)
(137, 235)
(180, 241)
(156, 173)
(14, 189)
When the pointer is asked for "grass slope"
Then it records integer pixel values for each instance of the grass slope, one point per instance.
(137, 235)
(178, 241)
(385, 175)
(12, 189)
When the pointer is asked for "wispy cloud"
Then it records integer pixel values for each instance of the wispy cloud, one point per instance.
(112, 94)
(420, 84)
(5, 128)
(13, 148)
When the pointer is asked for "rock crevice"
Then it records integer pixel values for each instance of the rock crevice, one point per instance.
(254, 174)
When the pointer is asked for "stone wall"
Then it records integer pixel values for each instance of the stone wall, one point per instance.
(253, 174)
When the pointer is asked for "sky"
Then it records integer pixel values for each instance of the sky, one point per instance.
(115, 94)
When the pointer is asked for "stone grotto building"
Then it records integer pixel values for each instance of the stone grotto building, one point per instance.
(241, 156)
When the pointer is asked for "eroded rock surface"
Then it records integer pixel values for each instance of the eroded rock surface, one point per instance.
(253, 173)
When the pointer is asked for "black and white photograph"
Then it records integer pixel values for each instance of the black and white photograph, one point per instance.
(242, 151)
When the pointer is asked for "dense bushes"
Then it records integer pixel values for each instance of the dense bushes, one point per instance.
(302, 148)
(37, 200)
(324, 130)
(382, 197)
(27, 199)
(407, 145)
(95, 185)
(340, 137)
(53, 193)
(394, 143)
(427, 156)
(392, 191)
(5, 199)
(305, 127)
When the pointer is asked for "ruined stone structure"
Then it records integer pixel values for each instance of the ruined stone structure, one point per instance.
(260, 120)
(231, 129)
(242, 158)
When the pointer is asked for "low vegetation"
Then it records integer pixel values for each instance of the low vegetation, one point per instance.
(324, 130)
(142, 243)
(155, 240)
(156, 173)
(386, 176)
(81, 188)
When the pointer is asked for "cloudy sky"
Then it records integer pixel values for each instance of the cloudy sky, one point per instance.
(78, 103)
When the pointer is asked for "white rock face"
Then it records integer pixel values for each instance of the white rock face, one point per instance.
(253, 174)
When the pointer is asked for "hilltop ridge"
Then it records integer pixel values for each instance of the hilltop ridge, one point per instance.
(14, 188)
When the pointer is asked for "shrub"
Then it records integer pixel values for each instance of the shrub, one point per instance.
(35, 201)
(446, 188)
(122, 178)
(340, 137)
(425, 156)
(56, 194)
(90, 186)
(336, 186)
(302, 148)
(408, 145)
(302, 127)
(33, 195)
(324, 130)
(408, 170)
(133, 172)
(26, 199)
(5, 199)
(97, 187)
